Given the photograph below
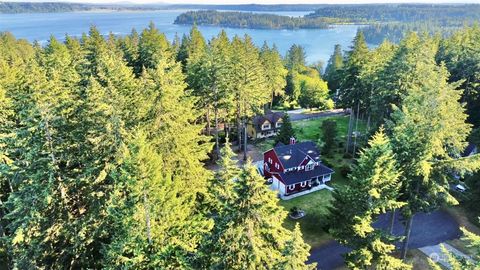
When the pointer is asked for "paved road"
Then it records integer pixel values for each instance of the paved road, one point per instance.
(428, 229)
(435, 253)
(302, 114)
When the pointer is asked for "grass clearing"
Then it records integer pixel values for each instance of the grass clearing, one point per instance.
(312, 225)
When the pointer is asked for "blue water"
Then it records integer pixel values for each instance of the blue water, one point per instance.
(318, 43)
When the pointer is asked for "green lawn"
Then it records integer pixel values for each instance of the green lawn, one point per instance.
(315, 206)
(310, 129)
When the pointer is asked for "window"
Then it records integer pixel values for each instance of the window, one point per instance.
(309, 167)
(277, 166)
(303, 184)
(270, 160)
(291, 187)
(279, 124)
(266, 126)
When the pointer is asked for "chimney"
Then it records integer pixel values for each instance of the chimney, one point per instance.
(292, 140)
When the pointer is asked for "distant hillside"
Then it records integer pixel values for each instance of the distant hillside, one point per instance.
(24, 7)
(253, 20)
(50, 7)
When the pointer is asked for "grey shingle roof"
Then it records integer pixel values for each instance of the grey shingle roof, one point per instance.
(295, 177)
(293, 154)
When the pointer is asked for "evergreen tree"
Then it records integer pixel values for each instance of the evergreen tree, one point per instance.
(275, 71)
(47, 208)
(296, 58)
(221, 195)
(461, 55)
(333, 70)
(153, 213)
(427, 138)
(249, 234)
(373, 190)
(329, 135)
(286, 131)
(222, 186)
(351, 93)
(400, 73)
(153, 47)
(295, 253)
(248, 81)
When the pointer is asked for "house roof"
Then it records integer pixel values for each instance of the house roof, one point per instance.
(294, 177)
(272, 117)
(293, 154)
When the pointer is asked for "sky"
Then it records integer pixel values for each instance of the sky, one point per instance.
(260, 1)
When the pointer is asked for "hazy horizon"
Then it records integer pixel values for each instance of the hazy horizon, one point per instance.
(264, 2)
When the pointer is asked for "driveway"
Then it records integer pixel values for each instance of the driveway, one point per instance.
(303, 114)
(427, 230)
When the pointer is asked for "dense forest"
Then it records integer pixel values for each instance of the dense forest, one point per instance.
(248, 20)
(394, 22)
(104, 141)
(400, 12)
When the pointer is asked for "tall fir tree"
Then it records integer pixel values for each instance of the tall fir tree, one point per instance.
(250, 234)
(333, 70)
(286, 131)
(351, 87)
(275, 71)
(248, 81)
(429, 132)
(295, 253)
(373, 190)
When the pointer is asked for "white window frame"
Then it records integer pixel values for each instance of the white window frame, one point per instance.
(303, 184)
(309, 167)
(266, 126)
(291, 187)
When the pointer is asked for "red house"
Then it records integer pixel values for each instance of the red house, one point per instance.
(295, 168)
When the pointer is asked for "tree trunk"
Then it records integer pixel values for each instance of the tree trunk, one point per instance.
(392, 221)
(245, 140)
(208, 120)
(271, 101)
(349, 133)
(239, 127)
(408, 230)
(226, 128)
(217, 141)
(356, 131)
(368, 124)
(147, 216)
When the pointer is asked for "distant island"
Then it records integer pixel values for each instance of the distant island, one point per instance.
(237, 19)
(382, 21)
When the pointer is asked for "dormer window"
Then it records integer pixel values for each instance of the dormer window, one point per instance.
(279, 124)
(309, 167)
(266, 125)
